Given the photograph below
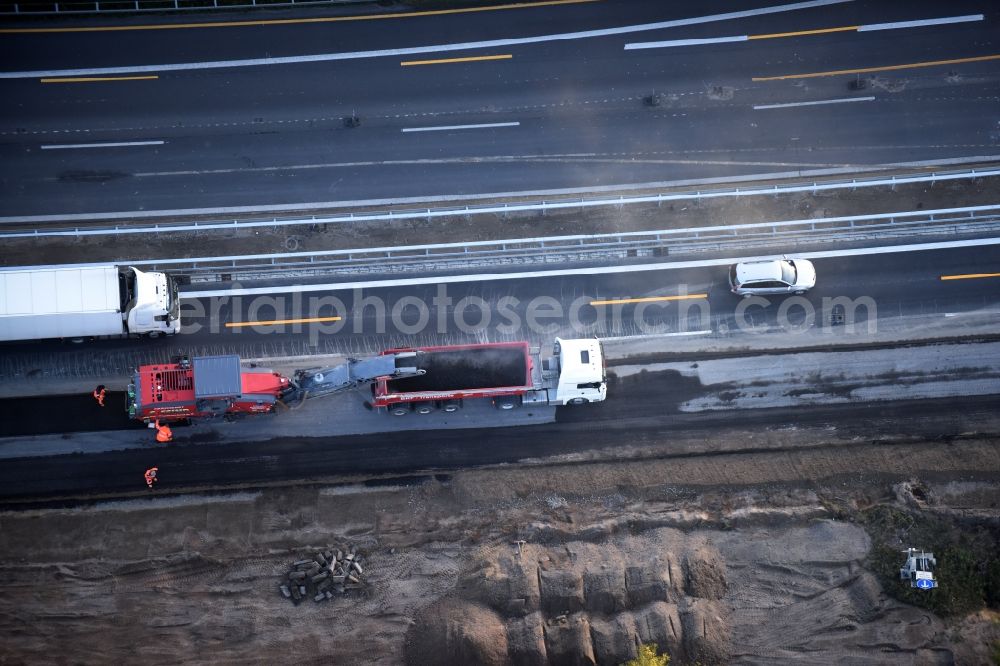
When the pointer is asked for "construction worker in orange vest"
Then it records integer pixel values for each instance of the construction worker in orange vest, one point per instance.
(99, 394)
(151, 476)
(163, 432)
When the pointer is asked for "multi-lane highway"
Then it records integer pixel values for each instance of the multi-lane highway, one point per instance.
(132, 115)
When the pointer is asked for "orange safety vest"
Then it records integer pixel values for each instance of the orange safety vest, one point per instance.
(99, 396)
(163, 433)
(150, 476)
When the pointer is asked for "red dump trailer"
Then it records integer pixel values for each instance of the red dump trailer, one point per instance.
(509, 373)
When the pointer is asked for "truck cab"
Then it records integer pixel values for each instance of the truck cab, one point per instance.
(582, 377)
(150, 299)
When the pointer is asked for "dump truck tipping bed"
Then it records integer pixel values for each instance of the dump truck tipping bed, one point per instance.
(462, 371)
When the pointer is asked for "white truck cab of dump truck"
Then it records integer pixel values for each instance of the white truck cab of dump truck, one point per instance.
(582, 377)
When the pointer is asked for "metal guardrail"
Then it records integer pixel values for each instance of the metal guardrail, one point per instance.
(506, 209)
(593, 247)
(131, 6)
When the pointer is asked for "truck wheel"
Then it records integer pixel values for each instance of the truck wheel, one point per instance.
(152, 335)
(400, 410)
(425, 408)
(577, 401)
(450, 406)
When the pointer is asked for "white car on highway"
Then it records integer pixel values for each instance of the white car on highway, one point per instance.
(775, 276)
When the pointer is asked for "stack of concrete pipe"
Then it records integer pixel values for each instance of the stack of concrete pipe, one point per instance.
(328, 573)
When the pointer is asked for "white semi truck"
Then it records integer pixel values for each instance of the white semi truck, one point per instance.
(78, 303)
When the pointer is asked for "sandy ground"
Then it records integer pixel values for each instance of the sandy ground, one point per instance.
(752, 559)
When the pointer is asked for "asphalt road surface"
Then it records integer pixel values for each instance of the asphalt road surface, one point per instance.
(878, 289)
(562, 110)
(637, 416)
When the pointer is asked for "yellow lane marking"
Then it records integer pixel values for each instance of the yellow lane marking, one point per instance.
(887, 68)
(651, 299)
(95, 79)
(320, 19)
(970, 276)
(799, 33)
(442, 61)
(275, 322)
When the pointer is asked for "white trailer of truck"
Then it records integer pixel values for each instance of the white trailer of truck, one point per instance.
(77, 303)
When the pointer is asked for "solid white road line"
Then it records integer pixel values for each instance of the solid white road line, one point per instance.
(758, 107)
(920, 24)
(684, 42)
(443, 128)
(861, 28)
(592, 270)
(63, 146)
(489, 44)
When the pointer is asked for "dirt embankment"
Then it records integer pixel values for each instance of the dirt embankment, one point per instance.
(777, 572)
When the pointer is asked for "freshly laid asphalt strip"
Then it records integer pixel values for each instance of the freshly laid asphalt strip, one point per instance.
(46, 415)
(183, 466)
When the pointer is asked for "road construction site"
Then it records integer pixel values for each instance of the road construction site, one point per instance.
(740, 497)
(691, 390)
